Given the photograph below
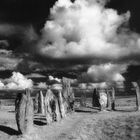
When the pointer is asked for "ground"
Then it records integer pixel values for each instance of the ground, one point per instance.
(86, 123)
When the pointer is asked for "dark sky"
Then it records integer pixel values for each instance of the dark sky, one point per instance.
(25, 11)
(133, 6)
(36, 11)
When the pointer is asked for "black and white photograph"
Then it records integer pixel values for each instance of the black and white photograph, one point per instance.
(69, 70)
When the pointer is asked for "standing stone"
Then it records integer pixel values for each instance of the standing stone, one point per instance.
(52, 106)
(135, 84)
(108, 100)
(24, 112)
(66, 93)
(49, 103)
(83, 100)
(41, 106)
(61, 104)
(36, 103)
(71, 99)
(95, 98)
(113, 99)
(103, 100)
(0, 104)
(57, 110)
(65, 100)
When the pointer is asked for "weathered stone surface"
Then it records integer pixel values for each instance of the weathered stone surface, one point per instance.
(61, 104)
(36, 103)
(137, 88)
(71, 100)
(83, 100)
(68, 95)
(65, 100)
(24, 112)
(108, 100)
(95, 98)
(66, 87)
(103, 100)
(57, 110)
(113, 99)
(29, 112)
(49, 106)
(41, 107)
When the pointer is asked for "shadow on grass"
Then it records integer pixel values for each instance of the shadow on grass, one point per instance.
(95, 108)
(40, 123)
(125, 110)
(8, 130)
(11, 111)
(85, 111)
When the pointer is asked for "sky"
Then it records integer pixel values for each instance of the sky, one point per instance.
(67, 37)
(36, 12)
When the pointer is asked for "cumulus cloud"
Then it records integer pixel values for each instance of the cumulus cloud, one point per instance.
(51, 78)
(17, 81)
(103, 73)
(42, 85)
(12, 85)
(87, 30)
(93, 85)
(2, 86)
(57, 79)
(7, 61)
(82, 32)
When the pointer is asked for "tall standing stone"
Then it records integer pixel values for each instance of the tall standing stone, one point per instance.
(66, 87)
(65, 99)
(61, 104)
(83, 99)
(24, 112)
(49, 102)
(67, 94)
(113, 99)
(95, 98)
(108, 100)
(36, 103)
(57, 110)
(103, 99)
(71, 99)
(41, 106)
(137, 88)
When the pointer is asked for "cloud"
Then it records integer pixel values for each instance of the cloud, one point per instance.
(16, 81)
(42, 85)
(18, 44)
(8, 29)
(79, 33)
(87, 31)
(93, 85)
(8, 62)
(20, 38)
(2, 86)
(104, 73)
(51, 78)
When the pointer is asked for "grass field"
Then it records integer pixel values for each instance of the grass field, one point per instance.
(85, 124)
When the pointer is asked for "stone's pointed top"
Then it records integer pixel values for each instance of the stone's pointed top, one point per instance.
(134, 84)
